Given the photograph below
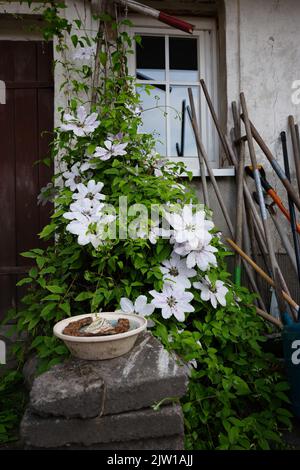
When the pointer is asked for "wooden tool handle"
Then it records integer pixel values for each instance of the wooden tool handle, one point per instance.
(261, 272)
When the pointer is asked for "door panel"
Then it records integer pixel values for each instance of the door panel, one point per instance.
(26, 124)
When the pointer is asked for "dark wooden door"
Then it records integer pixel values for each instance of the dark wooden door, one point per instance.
(26, 124)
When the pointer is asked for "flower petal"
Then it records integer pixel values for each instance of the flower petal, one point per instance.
(126, 305)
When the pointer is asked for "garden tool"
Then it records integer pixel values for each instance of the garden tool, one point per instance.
(291, 205)
(232, 158)
(275, 165)
(193, 117)
(240, 205)
(215, 118)
(274, 308)
(262, 273)
(264, 215)
(202, 153)
(285, 318)
(296, 152)
(281, 232)
(159, 15)
(263, 211)
(270, 191)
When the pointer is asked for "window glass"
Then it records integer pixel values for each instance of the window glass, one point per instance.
(183, 54)
(154, 110)
(180, 124)
(150, 58)
(171, 64)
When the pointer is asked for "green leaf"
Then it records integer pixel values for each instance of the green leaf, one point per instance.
(162, 332)
(282, 387)
(91, 148)
(38, 251)
(138, 39)
(29, 254)
(66, 308)
(25, 280)
(241, 386)
(33, 272)
(47, 309)
(40, 262)
(49, 270)
(60, 349)
(33, 323)
(78, 23)
(54, 297)
(233, 435)
(55, 289)
(84, 296)
(284, 412)
(283, 397)
(103, 58)
(263, 443)
(48, 230)
(74, 39)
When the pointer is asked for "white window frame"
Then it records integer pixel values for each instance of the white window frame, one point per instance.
(206, 31)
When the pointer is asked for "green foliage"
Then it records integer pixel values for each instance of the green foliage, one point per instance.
(237, 393)
(236, 397)
(12, 404)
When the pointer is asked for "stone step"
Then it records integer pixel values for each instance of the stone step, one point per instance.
(86, 389)
(142, 425)
(175, 442)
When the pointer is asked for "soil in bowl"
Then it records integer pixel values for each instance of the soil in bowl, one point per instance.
(80, 328)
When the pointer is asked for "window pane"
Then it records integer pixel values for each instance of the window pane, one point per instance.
(153, 115)
(183, 59)
(179, 95)
(150, 58)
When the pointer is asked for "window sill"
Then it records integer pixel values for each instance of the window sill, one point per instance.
(192, 165)
(217, 172)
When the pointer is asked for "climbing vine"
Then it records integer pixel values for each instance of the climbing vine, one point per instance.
(236, 397)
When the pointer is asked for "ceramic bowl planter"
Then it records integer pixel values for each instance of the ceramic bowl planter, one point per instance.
(102, 347)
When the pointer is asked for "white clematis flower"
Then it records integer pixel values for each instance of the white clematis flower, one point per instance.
(86, 208)
(90, 191)
(140, 306)
(80, 124)
(136, 110)
(204, 258)
(158, 173)
(173, 301)
(80, 226)
(152, 159)
(153, 233)
(110, 150)
(73, 177)
(102, 153)
(115, 137)
(162, 166)
(88, 222)
(215, 294)
(192, 364)
(84, 235)
(190, 227)
(85, 53)
(175, 271)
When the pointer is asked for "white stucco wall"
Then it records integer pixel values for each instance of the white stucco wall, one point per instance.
(263, 61)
